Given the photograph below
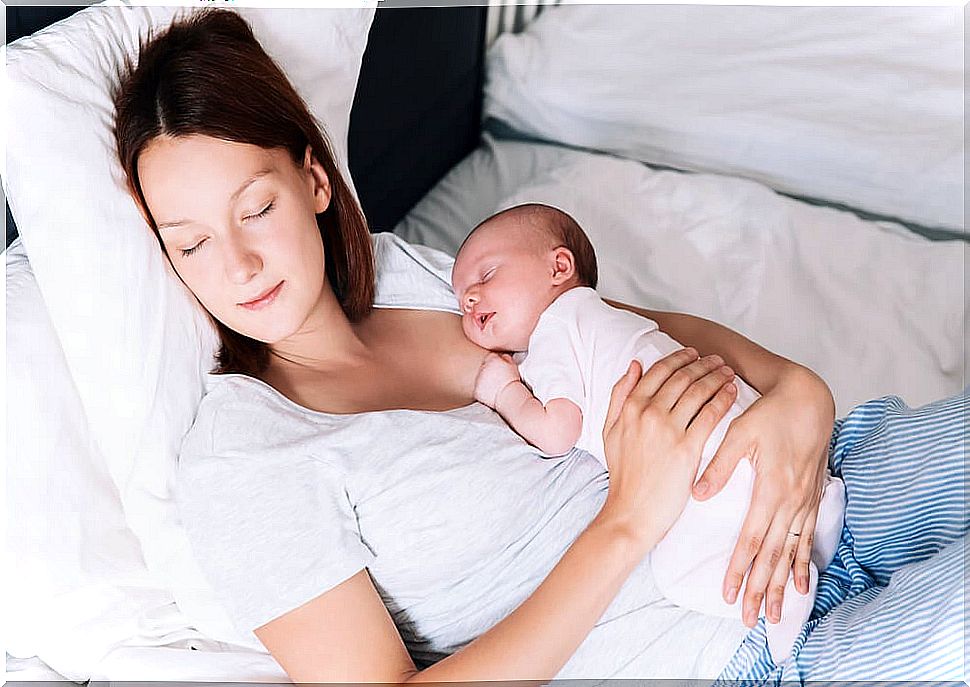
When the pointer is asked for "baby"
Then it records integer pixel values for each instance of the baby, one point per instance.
(525, 281)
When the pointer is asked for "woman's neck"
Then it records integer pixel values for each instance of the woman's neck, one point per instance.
(326, 342)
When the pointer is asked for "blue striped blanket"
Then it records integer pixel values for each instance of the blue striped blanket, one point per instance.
(891, 604)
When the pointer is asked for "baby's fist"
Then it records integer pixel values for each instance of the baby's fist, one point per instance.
(496, 373)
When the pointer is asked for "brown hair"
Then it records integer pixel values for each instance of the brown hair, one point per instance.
(561, 229)
(207, 74)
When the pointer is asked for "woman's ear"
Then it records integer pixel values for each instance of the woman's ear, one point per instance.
(319, 180)
(564, 265)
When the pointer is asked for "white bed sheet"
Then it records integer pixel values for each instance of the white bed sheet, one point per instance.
(186, 661)
(870, 306)
(30, 670)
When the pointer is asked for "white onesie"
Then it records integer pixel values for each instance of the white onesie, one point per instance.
(580, 347)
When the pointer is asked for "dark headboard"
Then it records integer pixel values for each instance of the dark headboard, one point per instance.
(417, 110)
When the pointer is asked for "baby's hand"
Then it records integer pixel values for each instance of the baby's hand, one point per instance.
(496, 373)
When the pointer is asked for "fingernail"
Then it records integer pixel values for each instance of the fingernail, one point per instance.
(802, 584)
(776, 611)
(732, 595)
(701, 488)
(727, 371)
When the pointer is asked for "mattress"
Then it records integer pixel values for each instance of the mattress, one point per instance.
(872, 307)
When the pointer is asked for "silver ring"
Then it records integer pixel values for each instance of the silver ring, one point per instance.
(794, 534)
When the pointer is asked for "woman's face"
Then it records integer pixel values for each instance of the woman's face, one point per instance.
(238, 220)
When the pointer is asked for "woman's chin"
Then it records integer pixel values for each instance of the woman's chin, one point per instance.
(267, 335)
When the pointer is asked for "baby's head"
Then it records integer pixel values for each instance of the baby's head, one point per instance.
(512, 266)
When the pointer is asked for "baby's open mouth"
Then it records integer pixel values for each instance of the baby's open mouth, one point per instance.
(483, 319)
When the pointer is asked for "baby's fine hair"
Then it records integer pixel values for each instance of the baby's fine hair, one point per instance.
(562, 229)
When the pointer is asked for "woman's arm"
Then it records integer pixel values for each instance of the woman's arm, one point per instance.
(758, 366)
(347, 635)
(785, 435)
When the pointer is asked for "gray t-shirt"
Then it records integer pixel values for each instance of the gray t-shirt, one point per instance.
(455, 517)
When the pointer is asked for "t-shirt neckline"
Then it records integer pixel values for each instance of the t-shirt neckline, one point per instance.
(275, 393)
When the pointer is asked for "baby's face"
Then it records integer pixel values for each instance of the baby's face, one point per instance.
(503, 280)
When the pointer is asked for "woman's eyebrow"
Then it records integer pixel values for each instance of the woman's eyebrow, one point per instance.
(246, 184)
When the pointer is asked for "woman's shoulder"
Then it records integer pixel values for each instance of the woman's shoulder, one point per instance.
(243, 416)
(410, 275)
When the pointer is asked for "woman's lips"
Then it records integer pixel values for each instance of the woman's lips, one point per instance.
(264, 301)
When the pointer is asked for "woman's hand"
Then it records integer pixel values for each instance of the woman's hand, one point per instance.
(786, 434)
(654, 433)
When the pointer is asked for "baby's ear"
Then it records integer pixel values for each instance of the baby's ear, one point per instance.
(563, 265)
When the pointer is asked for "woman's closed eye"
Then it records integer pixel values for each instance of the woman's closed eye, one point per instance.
(186, 252)
(265, 211)
(262, 213)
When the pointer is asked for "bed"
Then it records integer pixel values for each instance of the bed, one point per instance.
(805, 190)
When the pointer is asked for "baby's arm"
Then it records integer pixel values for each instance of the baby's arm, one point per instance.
(553, 428)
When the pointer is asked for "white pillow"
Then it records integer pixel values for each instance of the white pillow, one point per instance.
(858, 105)
(135, 341)
(76, 583)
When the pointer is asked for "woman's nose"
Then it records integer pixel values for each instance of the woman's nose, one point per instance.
(242, 262)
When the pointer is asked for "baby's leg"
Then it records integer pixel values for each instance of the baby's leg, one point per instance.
(690, 562)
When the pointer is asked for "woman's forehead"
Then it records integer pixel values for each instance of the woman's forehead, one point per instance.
(189, 156)
(176, 172)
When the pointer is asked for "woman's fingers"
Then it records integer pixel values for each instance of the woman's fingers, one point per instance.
(660, 372)
(682, 380)
(750, 540)
(700, 391)
(768, 559)
(705, 420)
(803, 555)
(621, 390)
(733, 448)
(783, 570)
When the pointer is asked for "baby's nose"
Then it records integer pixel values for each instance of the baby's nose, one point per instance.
(470, 300)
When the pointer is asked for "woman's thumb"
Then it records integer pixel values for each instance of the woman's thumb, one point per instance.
(721, 467)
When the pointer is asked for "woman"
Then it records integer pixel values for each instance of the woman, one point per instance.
(317, 535)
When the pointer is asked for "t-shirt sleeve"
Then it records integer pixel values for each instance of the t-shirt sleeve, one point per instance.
(270, 529)
(552, 368)
(412, 275)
